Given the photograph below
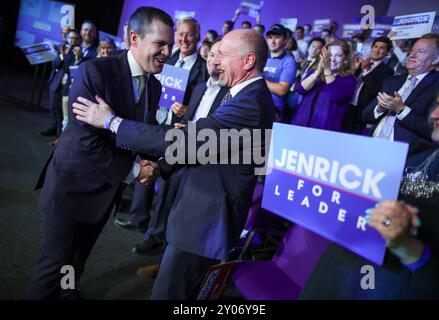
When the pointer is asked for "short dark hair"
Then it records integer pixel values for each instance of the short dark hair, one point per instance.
(318, 39)
(300, 28)
(359, 36)
(143, 17)
(386, 40)
(89, 22)
(246, 22)
(213, 33)
(229, 23)
(218, 39)
(260, 26)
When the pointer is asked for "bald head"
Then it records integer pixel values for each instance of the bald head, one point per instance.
(248, 41)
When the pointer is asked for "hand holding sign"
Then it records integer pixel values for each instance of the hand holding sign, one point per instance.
(395, 222)
(179, 109)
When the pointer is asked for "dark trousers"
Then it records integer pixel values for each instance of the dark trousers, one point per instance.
(141, 203)
(65, 243)
(180, 274)
(56, 115)
(158, 216)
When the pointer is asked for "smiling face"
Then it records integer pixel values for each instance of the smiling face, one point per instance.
(187, 38)
(435, 119)
(337, 58)
(88, 32)
(152, 51)
(211, 67)
(230, 60)
(379, 51)
(422, 57)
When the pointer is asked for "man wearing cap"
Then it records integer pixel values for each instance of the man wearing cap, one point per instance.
(280, 70)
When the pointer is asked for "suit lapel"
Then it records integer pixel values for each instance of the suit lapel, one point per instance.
(193, 74)
(216, 103)
(429, 79)
(125, 85)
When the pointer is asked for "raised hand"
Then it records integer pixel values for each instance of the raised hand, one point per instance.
(92, 113)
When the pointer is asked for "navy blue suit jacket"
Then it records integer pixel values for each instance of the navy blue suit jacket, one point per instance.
(415, 128)
(86, 169)
(210, 206)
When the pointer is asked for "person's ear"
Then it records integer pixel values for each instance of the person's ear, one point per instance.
(134, 38)
(250, 61)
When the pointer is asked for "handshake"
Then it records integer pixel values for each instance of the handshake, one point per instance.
(149, 172)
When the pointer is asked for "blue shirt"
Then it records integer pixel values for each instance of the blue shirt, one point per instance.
(280, 69)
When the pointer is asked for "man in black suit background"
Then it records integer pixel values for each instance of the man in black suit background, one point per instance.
(85, 173)
(371, 73)
(401, 110)
(210, 207)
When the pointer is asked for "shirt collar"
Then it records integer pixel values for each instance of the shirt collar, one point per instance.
(190, 58)
(135, 68)
(419, 77)
(235, 89)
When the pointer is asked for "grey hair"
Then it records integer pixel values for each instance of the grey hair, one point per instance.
(192, 21)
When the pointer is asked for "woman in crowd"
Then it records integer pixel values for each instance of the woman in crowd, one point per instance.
(328, 90)
(411, 265)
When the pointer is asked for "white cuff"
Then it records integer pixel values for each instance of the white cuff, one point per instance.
(403, 113)
(377, 113)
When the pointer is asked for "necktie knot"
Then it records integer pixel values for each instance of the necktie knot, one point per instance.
(180, 63)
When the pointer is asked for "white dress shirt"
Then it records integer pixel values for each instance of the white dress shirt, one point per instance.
(212, 89)
(400, 116)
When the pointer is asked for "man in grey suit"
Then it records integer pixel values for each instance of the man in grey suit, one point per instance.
(210, 207)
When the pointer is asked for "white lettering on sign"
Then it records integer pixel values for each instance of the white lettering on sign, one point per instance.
(349, 176)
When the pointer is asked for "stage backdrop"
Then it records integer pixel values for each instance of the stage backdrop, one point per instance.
(212, 14)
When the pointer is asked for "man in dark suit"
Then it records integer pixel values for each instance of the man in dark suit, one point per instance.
(400, 111)
(85, 173)
(205, 99)
(371, 73)
(89, 45)
(186, 57)
(210, 206)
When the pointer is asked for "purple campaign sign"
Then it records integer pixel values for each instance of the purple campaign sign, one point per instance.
(324, 181)
(174, 82)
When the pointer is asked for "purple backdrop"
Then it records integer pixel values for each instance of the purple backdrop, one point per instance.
(211, 14)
